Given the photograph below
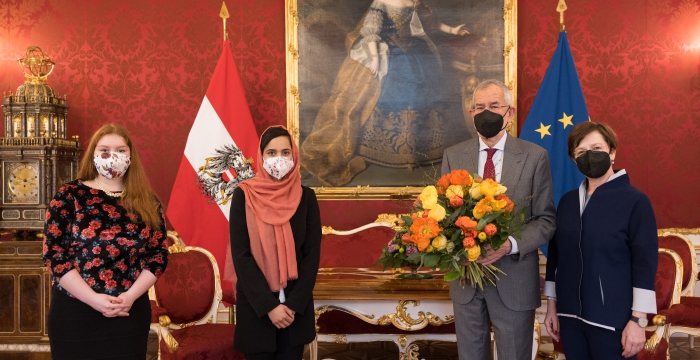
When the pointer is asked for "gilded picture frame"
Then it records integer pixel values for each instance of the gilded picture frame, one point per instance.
(324, 38)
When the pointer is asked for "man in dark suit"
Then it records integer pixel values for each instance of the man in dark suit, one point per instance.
(523, 168)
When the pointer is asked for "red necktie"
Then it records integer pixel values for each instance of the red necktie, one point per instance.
(489, 168)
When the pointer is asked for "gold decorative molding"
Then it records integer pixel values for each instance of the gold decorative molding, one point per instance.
(392, 221)
(403, 320)
(410, 354)
(682, 231)
(293, 51)
(403, 339)
(340, 339)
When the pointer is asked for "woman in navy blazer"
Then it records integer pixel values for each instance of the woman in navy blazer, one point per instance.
(603, 257)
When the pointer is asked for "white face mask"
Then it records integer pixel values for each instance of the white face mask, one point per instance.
(278, 166)
(112, 164)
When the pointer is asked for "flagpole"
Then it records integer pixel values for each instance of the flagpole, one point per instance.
(561, 7)
(224, 15)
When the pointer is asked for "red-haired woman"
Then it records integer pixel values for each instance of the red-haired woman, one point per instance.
(104, 247)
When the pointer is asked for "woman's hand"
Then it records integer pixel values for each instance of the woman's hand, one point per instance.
(108, 305)
(374, 66)
(633, 337)
(126, 304)
(551, 320)
(281, 316)
(459, 30)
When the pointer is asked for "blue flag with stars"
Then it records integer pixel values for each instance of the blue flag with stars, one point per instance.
(558, 106)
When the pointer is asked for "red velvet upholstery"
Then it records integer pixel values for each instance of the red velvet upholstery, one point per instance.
(664, 283)
(203, 342)
(357, 250)
(187, 287)
(156, 311)
(688, 313)
(681, 247)
(229, 297)
(340, 322)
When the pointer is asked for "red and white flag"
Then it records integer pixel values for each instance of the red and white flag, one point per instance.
(221, 140)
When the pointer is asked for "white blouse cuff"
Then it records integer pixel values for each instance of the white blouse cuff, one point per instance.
(644, 300)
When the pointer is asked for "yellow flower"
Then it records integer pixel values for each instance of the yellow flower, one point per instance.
(438, 212)
(488, 187)
(453, 190)
(498, 205)
(429, 197)
(482, 236)
(473, 253)
(475, 191)
(430, 249)
(440, 242)
(481, 208)
(501, 190)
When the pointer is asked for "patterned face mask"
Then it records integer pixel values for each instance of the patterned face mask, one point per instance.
(112, 164)
(278, 166)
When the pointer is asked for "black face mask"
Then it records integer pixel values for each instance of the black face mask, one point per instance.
(488, 123)
(593, 164)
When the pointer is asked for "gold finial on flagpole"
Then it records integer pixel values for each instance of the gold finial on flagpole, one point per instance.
(224, 15)
(561, 7)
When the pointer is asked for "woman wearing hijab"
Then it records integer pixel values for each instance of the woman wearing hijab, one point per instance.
(275, 230)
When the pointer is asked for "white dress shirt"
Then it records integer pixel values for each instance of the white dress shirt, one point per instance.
(498, 164)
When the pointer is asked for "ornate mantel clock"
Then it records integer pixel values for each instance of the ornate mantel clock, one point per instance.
(35, 154)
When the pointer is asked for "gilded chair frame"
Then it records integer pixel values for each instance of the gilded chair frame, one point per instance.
(164, 325)
(689, 290)
(659, 326)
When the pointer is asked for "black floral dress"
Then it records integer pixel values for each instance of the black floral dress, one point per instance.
(91, 232)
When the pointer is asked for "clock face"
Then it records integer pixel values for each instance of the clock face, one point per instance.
(23, 183)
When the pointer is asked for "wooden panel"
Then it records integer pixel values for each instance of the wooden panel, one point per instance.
(7, 302)
(30, 248)
(30, 303)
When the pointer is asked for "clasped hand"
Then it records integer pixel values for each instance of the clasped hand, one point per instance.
(111, 306)
(281, 316)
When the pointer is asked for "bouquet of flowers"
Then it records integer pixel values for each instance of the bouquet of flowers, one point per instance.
(450, 226)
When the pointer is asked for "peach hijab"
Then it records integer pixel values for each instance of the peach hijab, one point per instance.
(269, 205)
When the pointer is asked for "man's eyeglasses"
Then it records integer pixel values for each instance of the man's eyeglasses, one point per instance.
(493, 108)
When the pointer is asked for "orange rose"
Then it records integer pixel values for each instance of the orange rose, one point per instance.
(490, 229)
(481, 208)
(468, 242)
(460, 177)
(423, 230)
(443, 183)
(406, 238)
(465, 223)
(509, 203)
(456, 201)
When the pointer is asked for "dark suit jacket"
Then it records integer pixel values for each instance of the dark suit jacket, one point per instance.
(254, 330)
(526, 175)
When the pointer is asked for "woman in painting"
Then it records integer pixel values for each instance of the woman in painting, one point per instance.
(385, 103)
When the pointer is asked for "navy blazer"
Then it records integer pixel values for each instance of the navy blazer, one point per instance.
(603, 260)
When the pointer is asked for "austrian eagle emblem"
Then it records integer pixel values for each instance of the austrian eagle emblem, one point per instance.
(222, 172)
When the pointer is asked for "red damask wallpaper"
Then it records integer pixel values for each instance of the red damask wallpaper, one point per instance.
(146, 64)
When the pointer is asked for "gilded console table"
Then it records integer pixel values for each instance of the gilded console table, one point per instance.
(381, 299)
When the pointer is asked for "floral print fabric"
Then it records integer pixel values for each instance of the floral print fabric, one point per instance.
(87, 230)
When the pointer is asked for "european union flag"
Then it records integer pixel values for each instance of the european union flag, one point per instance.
(558, 106)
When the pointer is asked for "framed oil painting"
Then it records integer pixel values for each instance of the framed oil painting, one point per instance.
(377, 89)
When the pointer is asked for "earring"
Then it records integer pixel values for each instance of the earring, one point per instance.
(612, 161)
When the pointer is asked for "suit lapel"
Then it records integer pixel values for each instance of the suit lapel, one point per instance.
(471, 158)
(513, 161)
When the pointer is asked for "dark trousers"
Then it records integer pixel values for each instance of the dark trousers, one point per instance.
(285, 351)
(582, 341)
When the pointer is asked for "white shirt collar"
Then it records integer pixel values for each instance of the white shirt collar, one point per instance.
(582, 188)
(500, 145)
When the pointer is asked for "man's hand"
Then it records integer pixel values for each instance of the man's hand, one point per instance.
(633, 337)
(281, 316)
(493, 256)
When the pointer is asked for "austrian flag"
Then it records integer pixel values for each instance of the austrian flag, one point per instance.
(217, 157)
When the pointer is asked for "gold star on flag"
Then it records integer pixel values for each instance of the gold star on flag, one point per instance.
(566, 120)
(543, 130)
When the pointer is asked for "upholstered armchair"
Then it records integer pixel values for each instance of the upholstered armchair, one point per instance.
(669, 277)
(184, 304)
